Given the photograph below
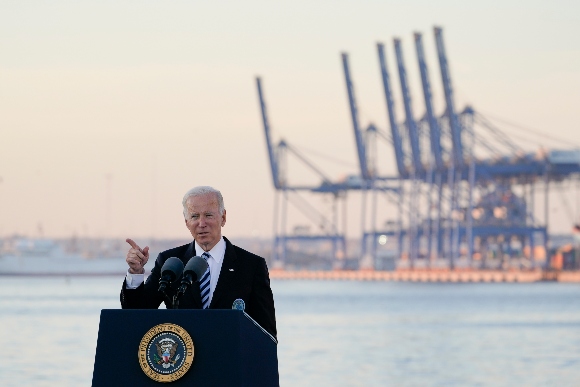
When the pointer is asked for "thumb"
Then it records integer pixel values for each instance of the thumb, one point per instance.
(146, 251)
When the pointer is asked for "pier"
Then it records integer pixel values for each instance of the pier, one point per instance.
(442, 276)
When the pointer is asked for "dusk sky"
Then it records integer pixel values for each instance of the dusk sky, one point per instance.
(111, 110)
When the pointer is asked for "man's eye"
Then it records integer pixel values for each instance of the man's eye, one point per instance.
(194, 216)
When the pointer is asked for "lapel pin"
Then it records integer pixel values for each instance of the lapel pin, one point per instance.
(231, 269)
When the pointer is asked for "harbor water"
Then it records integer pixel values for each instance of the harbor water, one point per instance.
(331, 333)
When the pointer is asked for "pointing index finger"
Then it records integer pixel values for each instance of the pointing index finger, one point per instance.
(132, 243)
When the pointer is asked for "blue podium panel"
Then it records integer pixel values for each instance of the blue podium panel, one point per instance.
(229, 348)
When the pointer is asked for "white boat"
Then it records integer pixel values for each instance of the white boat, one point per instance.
(46, 257)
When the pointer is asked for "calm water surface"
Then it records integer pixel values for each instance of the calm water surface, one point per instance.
(331, 333)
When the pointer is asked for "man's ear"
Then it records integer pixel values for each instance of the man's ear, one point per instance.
(224, 218)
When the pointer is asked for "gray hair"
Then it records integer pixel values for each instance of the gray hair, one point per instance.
(202, 190)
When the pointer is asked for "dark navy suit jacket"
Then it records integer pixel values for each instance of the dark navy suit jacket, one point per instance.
(243, 275)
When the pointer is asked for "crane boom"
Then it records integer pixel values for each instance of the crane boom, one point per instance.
(271, 155)
(409, 119)
(360, 146)
(434, 130)
(446, 78)
(397, 140)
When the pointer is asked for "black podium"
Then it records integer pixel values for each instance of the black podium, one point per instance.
(230, 349)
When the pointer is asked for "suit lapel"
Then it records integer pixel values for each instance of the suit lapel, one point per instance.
(227, 273)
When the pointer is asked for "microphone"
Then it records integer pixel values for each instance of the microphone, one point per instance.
(194, 268)
(239, 304)
(170, 272)
(193, 272)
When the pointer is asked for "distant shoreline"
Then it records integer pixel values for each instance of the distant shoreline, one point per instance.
(442, 276)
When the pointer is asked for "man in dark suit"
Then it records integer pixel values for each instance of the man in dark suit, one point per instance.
(234, 273)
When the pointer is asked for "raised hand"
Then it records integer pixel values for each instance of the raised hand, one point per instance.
(136, 257)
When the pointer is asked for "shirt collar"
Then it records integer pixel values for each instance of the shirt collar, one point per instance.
(217, 253)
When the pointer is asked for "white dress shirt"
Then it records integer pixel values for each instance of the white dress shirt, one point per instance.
(214, 261)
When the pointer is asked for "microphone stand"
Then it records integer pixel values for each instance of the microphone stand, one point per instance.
(180, 292)
(168, 300)
(176, 301)
(172, 302)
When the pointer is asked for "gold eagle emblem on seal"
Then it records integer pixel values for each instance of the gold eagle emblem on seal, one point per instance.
(166, 352)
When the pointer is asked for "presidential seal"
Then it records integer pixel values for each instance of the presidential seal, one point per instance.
(166, 352)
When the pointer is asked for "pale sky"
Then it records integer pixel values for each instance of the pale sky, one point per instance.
(111, 110)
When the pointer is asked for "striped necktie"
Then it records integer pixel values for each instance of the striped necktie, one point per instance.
(204, 284)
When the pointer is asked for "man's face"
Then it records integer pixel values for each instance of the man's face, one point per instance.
(204, 220)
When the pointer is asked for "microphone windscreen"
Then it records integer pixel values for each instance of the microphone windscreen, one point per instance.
(172, 267)
(196, 266)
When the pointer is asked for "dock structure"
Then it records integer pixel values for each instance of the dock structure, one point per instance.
(442, 276)
(464, 192)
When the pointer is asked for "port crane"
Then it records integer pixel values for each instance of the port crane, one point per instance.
(465, 192)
